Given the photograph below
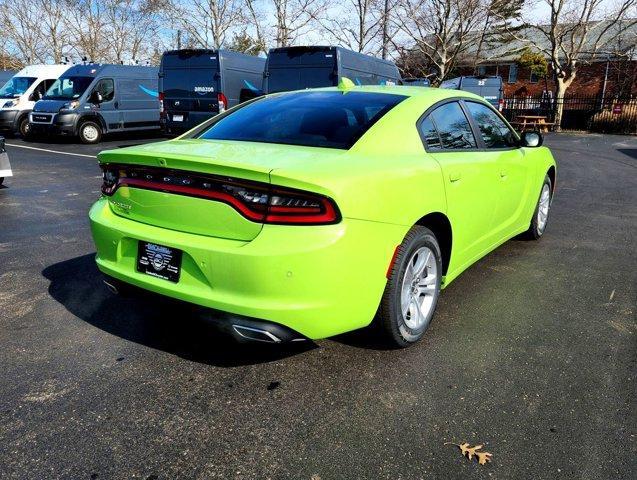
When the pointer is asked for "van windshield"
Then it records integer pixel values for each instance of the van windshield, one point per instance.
(327, 119)
(16, 86)
(68, 88)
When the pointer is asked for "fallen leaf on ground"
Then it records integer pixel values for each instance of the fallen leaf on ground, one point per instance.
(468, 451)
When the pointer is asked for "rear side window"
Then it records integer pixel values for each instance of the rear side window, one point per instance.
(453, 127)
(494, 131)
(430, 134)
(314, 119)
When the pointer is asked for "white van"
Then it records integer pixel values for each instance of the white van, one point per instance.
(20, 92)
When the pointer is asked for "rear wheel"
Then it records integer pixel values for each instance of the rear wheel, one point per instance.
(413, 288)
(542, 210)
(90, 132)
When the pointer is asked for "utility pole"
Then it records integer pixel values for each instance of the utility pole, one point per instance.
(178, 39)
(385, 32)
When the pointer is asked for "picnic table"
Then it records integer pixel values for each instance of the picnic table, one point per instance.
(537, 122)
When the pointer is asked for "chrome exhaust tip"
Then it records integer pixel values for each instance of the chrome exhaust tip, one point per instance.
(111, 287)
(255, 334)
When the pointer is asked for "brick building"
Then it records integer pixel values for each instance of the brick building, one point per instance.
(613, 68)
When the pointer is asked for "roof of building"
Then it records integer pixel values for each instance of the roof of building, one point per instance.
(613, 44)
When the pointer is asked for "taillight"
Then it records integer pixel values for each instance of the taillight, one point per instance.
(162, 110)
(256, 201)
(223, 102)
(500, 104)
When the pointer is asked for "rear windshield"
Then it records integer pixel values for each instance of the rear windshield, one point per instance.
(313, 119)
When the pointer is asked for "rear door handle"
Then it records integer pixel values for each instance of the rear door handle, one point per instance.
(116, 105)
(503, 173)
(454, 176)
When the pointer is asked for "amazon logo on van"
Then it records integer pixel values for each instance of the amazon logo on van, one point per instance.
(148, 91)
(204, 90)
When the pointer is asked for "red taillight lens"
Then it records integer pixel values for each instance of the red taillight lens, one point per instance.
(259, 202)
(223, 102)
(501, 104)
(162, 110)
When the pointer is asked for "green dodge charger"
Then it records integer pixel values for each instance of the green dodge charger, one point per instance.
(312, 213)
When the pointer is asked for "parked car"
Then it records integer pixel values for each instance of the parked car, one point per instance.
(297, 68)
(91, 100)
(6, 75)
(196, 85)
(489, 88)
(416, 82)
(19, 94)
(310, 213)
(5, 166)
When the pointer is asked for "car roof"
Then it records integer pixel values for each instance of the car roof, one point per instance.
(426, 93)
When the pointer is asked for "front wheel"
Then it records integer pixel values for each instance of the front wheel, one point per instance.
(90, 132)
(412, 290)
(24, 127)
(542, 210)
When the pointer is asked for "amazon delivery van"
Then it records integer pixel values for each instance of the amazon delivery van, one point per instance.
(489, 88)
(91, 100)
(197, 84)
(20, 92)
(298, 68)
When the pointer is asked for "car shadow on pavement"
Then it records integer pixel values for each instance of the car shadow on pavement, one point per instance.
(630, 152)
(153, 320)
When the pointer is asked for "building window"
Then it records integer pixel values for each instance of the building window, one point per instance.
(513, 73)
(534, 78)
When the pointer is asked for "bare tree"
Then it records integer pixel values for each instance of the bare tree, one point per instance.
(294, 18)
(208, 23)
(132, 26)
(577, 32)
(440, 30)
(17, 19)
(53, 28)
(89, 29)
(360, 30)
(501, 20)
(253, 16)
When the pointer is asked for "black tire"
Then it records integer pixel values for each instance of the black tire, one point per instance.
(90, 132)
(537, 229)
(390, 318)
(24, 127)
(1, 180)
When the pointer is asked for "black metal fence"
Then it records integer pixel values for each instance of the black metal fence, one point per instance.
(593, 113)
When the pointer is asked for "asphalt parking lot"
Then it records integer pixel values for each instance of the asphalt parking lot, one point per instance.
(532, 353)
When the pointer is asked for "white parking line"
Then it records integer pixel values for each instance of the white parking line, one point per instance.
(50, 151)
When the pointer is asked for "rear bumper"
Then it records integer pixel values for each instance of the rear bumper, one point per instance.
(318, 281)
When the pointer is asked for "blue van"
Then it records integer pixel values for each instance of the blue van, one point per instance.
(91, 100)
(416, 82)
(489, 88)
(197, 84)
(297, 68)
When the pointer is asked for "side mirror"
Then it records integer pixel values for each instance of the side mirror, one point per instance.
(96, 97)
(35, 96)
(531, 139)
